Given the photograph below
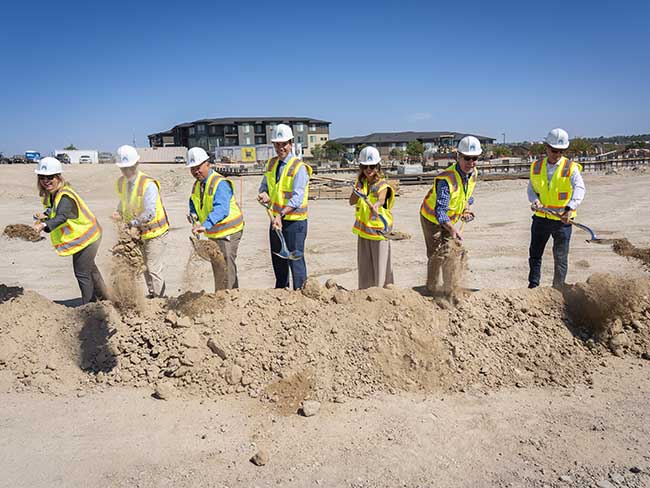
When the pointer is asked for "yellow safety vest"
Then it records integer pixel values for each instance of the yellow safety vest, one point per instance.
(556, 193)
(73, 235)
(231, 223)
(282, 191)
(366, 225)
(459, 195)
(133, 205)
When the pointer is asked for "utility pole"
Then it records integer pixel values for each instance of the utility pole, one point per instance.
(134, 139)
(504, 138)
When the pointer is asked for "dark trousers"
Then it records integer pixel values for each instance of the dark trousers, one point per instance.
(295, 233)
(88, 276)
(540, 231)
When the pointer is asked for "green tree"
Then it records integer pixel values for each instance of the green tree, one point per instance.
(71, 147)
(333, 150)
(537, 149)
(397, 154)
(501, 151)
(415, 149)
(318, 152)
(580, 147)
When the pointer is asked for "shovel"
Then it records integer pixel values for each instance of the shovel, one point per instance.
(592, 234)
(364, 197)
(284, 250)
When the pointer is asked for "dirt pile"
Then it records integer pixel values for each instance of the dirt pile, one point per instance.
(127, 265)
(321, 343)
(625, 248)
(22, 231)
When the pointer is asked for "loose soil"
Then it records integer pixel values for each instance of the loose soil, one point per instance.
(625, 248)
(22, 231)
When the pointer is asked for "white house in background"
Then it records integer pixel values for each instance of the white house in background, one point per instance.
(80, 156)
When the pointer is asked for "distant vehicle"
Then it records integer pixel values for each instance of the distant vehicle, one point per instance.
(4, 160)
(85, 159)
(64, 158)
(32, 156)
(105, 157)
(179, 159)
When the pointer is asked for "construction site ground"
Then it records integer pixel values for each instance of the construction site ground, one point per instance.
(510, 388)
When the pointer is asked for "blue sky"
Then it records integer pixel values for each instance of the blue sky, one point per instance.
(96, 74)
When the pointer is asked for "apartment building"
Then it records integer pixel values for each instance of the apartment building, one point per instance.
(254, 131)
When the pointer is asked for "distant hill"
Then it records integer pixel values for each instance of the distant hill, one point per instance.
(620, 139)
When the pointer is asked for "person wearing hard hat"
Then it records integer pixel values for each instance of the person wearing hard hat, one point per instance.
(215, 213)
(285, 190)
(73, 228)
(555, 184)
(447, 202)
(373, 220)
(141, 207)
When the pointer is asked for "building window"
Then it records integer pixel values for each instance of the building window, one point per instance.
(246, 128)
(312, 128)
(260, 140)
(323, 138)
(247, 140)
(312, 139)
(200, 129)
(192, 131)
(300, 127)
(259, 129)
(299, 139)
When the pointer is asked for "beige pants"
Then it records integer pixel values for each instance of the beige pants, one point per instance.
(373, 258)
(153, 251)
(228, 246)
(443, 257)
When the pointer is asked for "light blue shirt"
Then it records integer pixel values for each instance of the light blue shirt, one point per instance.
(220, 203)
(300, 181)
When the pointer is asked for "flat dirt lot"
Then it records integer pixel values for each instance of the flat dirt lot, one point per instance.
(512, 388)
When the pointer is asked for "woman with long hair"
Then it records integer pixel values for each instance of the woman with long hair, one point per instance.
(74, 230)
(373, 199)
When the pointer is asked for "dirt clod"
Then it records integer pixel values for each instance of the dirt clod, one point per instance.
(22, 231)
(260, 458)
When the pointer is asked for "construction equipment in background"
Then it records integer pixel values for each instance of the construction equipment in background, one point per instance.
(332, 188)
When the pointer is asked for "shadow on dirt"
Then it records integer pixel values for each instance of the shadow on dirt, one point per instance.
(96, 354)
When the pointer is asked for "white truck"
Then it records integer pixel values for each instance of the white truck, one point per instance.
(80, 156)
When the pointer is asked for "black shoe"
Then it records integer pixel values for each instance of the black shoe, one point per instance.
(532, 285)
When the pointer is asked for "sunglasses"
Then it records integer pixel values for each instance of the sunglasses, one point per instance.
(46, 177)
(369, 166)
(553, 150)
(470, 158)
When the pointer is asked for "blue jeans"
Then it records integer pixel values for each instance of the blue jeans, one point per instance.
(295, 233)
(540, 232)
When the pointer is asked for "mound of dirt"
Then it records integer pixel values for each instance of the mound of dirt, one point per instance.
(625, 248)
(22, 231)
(321, 343)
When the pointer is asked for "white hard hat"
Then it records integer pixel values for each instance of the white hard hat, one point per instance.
(281, 133)
(557, 139)
(49, 166)
(369, 156)
(127, 156)
(196, 156)
(470, 146)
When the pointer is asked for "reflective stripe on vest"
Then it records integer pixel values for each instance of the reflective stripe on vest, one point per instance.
(366, 225)
(132, 205)
(459, 196)
(74, 234)
(281, 191)
(231, 223)
(556, 193)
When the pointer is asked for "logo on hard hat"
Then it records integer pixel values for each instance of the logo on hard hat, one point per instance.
(125, 159)
(560, 141)
(472, 147)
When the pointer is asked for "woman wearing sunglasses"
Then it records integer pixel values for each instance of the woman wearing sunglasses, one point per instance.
(446, 203)
(373, 198)
(73, 228)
